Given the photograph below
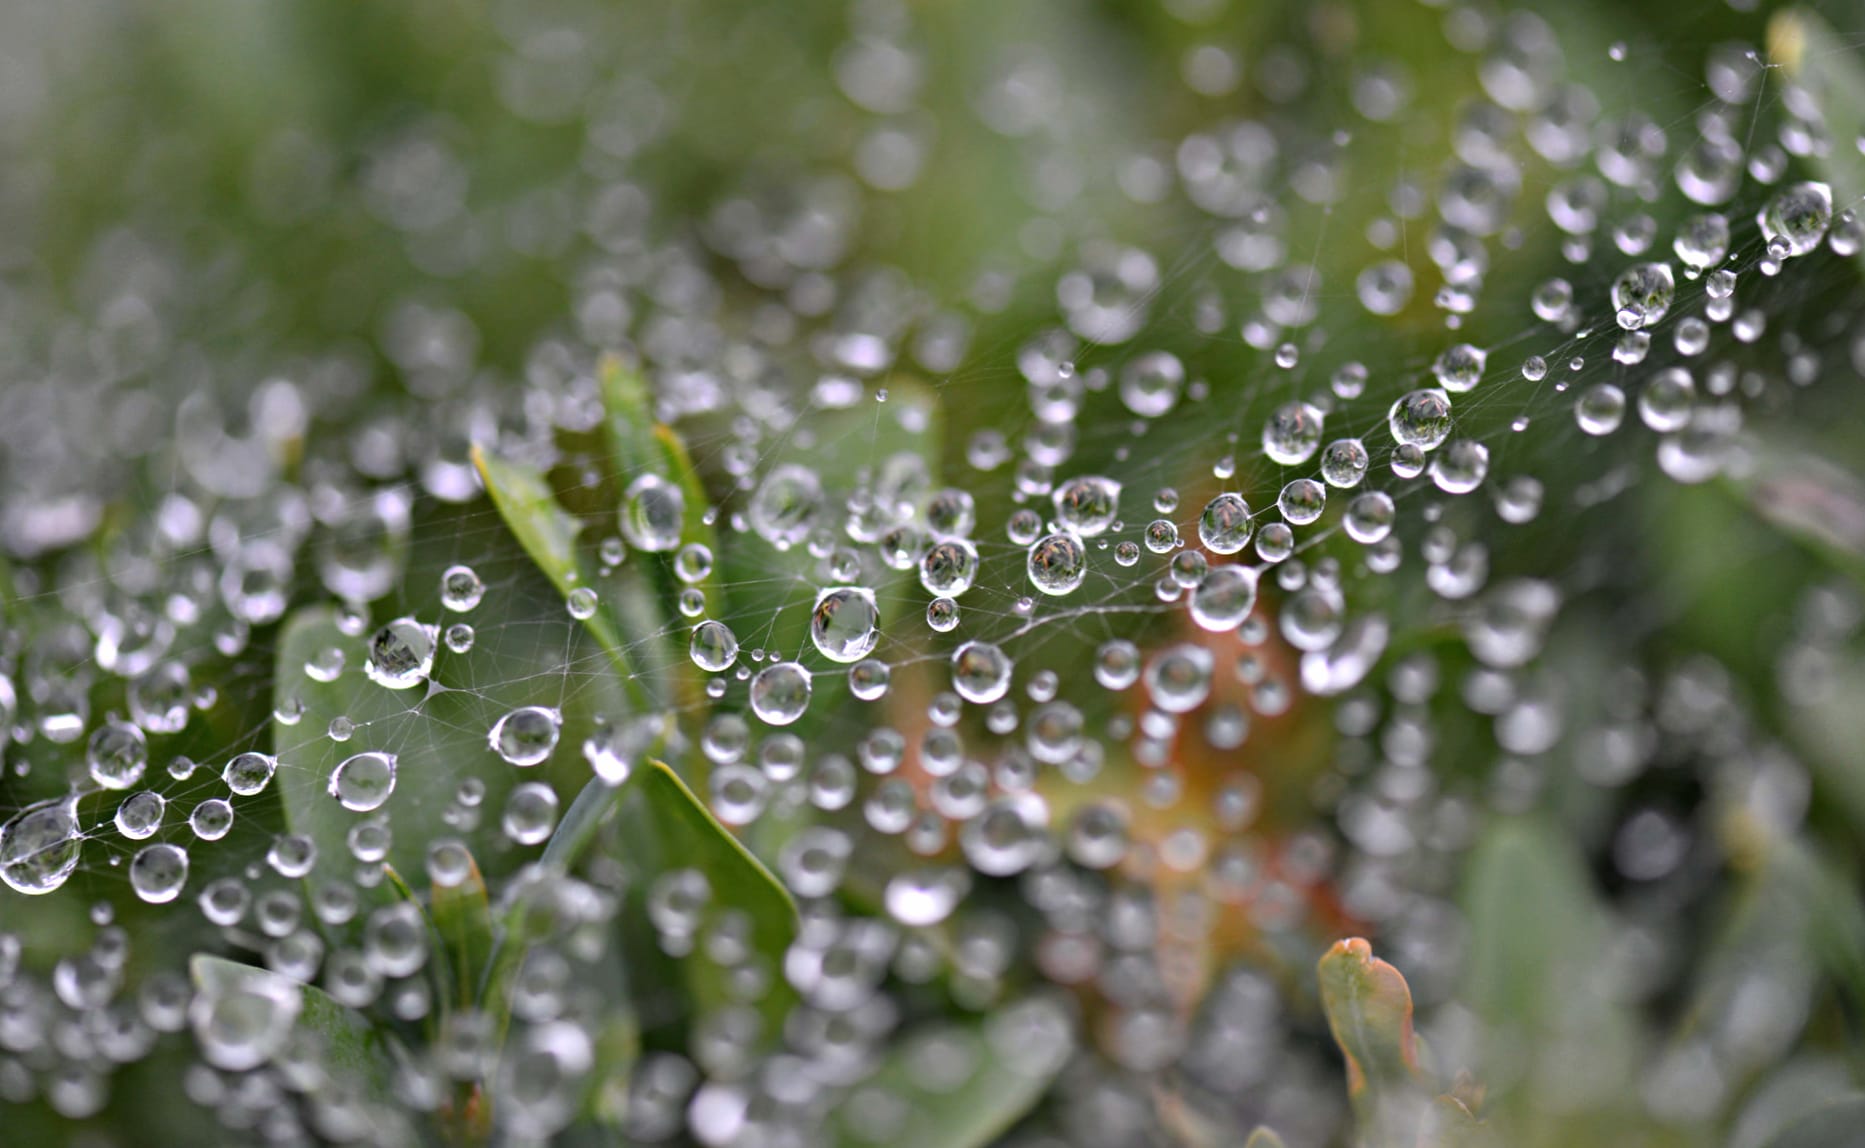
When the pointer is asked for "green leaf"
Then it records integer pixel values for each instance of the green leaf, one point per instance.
(352, 1052)
(1004, 1074)
(1833, 1125)
(1827, 67)
(528, 652)
(440, 973)
(462, 915)
(664, 827)
(1533, 925)
(1369, 1011)
(639, 445)
(548, 534)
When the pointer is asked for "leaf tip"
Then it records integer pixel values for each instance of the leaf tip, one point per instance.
(1787, 39)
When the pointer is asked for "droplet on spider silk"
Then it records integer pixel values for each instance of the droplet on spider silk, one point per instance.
(844, 624)
(949, 567)
(461, 589)
(653, 514)
(158, 872)
(211, 819)
(942, 615)
(527, 735)
(582, 603)
(530, 813)
(1369, 517)
(1224, 598)
(242, 1022)
(713, 647)
(1600, 409)
(1178, 679)
(1796, 219)
(363, 782)
(1421, 418)
(117, 755)
(1642, 294)
(980, 672)
(249, 773)
(401, 654)
(1088, 505)
(868, 680)
(1460, 467)
(1344, 462)
(780, 693)
(1460, 368)
(140, 814)
(1292, 433)
(1701, 242)
(1302, 501)
(1225, 524)
(783, 509)
(39, 846)
(1057, 564)
(1150, 384)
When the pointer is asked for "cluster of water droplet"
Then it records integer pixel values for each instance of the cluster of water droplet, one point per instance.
(1057, 703)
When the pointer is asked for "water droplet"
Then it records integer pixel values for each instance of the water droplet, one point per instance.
(39, 846)
(780, 693)
(1225, 525)
(249, 773)
(1796, 218)
(844, 624)
(158, 872)
(461, 589)
(363, 782)
(526, 736)
(117, 755)
(401, 654)
(713, 647)
(1057, 564)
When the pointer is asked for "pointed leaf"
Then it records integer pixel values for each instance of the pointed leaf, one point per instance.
(462, 915)
(665, 828)
(639, 445)
(1369, 1010)
(548, 534)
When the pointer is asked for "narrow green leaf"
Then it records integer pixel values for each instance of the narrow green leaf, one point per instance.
(640, 445)
(1533, 924)
(462, 914)
(1369, 1011)
(1828, 68)
(353, 1053)
(629, 421)
(1007, 1066)
(548, 534)
(665, 828)
(1835, 1125)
